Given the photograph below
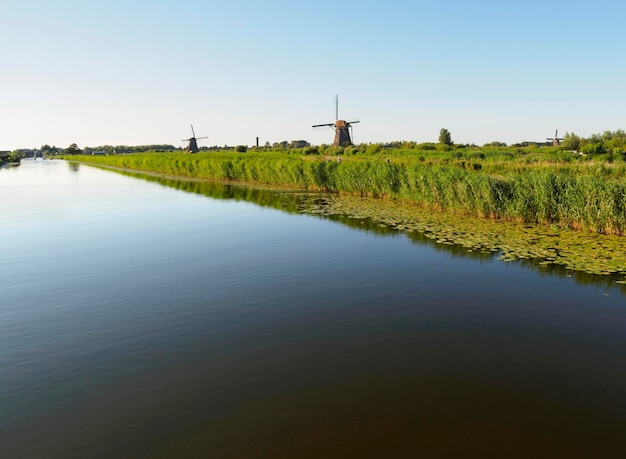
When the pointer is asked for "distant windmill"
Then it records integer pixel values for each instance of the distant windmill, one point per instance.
(342, 128)
(556, 141)
(193, 141)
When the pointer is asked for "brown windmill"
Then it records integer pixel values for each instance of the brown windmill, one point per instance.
(193, 142)
(342, 128)
(556, 141)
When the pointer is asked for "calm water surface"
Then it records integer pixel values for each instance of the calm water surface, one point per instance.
(137, 320)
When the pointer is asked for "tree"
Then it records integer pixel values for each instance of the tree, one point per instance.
(15, 156)
(73, 149)
(617, 141)
(444, 137)
(571, 141)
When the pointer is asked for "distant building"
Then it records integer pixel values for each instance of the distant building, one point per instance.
(299, 144)
(123, 151)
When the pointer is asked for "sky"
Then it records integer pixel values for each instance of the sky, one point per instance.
(128, 72)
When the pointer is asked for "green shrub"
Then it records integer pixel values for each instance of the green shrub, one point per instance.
(426, 146)
(593, 149)
(311, 151)
(373, 148)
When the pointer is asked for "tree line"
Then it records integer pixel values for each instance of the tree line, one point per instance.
(607, 142)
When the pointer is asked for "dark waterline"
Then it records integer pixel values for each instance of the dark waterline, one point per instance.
(138, 320)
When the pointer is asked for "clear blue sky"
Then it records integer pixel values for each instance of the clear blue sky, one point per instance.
(139, 72)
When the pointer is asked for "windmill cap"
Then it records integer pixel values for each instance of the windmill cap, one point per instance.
(340, 123)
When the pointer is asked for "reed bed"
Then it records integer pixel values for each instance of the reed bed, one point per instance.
(570, 194)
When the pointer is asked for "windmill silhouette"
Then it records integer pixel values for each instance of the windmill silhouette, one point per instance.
(342, 128)
(556, 141)
(193, 141)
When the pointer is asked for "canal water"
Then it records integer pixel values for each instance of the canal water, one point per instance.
(143, 320)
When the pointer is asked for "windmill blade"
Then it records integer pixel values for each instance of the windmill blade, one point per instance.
(353, 122)
(193, 134)
(205, 137)
(327, 124)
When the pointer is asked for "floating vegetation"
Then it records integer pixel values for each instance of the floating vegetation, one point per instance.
(576, 251)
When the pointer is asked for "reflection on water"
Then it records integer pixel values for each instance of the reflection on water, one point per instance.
(139, 321)
(311, 202)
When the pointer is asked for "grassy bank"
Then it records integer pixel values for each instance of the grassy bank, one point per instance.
(537, 186)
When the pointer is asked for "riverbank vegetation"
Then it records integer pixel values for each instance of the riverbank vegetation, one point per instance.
(11, 157)
(545, 185)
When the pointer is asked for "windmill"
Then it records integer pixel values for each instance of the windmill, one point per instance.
(193, 141)
(556, 141)
(342, 128)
